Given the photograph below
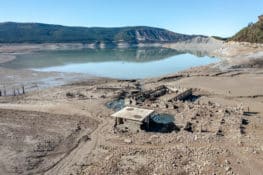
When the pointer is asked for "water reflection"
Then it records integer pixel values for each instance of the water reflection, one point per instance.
(131, 63)
(64, 57)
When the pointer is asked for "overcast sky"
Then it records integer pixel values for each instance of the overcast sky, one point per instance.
(207, 17)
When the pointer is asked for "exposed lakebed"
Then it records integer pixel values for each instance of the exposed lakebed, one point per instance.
(131, 63)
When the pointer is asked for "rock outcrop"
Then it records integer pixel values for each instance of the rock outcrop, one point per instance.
(253, 33)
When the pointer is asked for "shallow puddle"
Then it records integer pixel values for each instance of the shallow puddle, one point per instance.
(116, 105)
(163, 123)
(162, 118)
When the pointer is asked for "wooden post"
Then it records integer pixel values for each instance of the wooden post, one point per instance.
(148, 122)
(4, 91)
(14, 92)
(115, 124)
(118, 121)
(23, 89)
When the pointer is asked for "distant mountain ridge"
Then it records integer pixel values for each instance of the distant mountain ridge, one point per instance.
(253, 33)
(11, 32)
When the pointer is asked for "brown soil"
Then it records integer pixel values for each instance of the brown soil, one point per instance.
(34, 142)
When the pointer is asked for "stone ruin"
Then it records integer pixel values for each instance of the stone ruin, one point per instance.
(193, 114)
(159, 94)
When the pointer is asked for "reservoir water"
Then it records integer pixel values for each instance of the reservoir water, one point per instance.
(113, 63)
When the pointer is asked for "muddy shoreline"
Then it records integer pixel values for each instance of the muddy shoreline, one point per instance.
(220, 132)
(231, 54)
